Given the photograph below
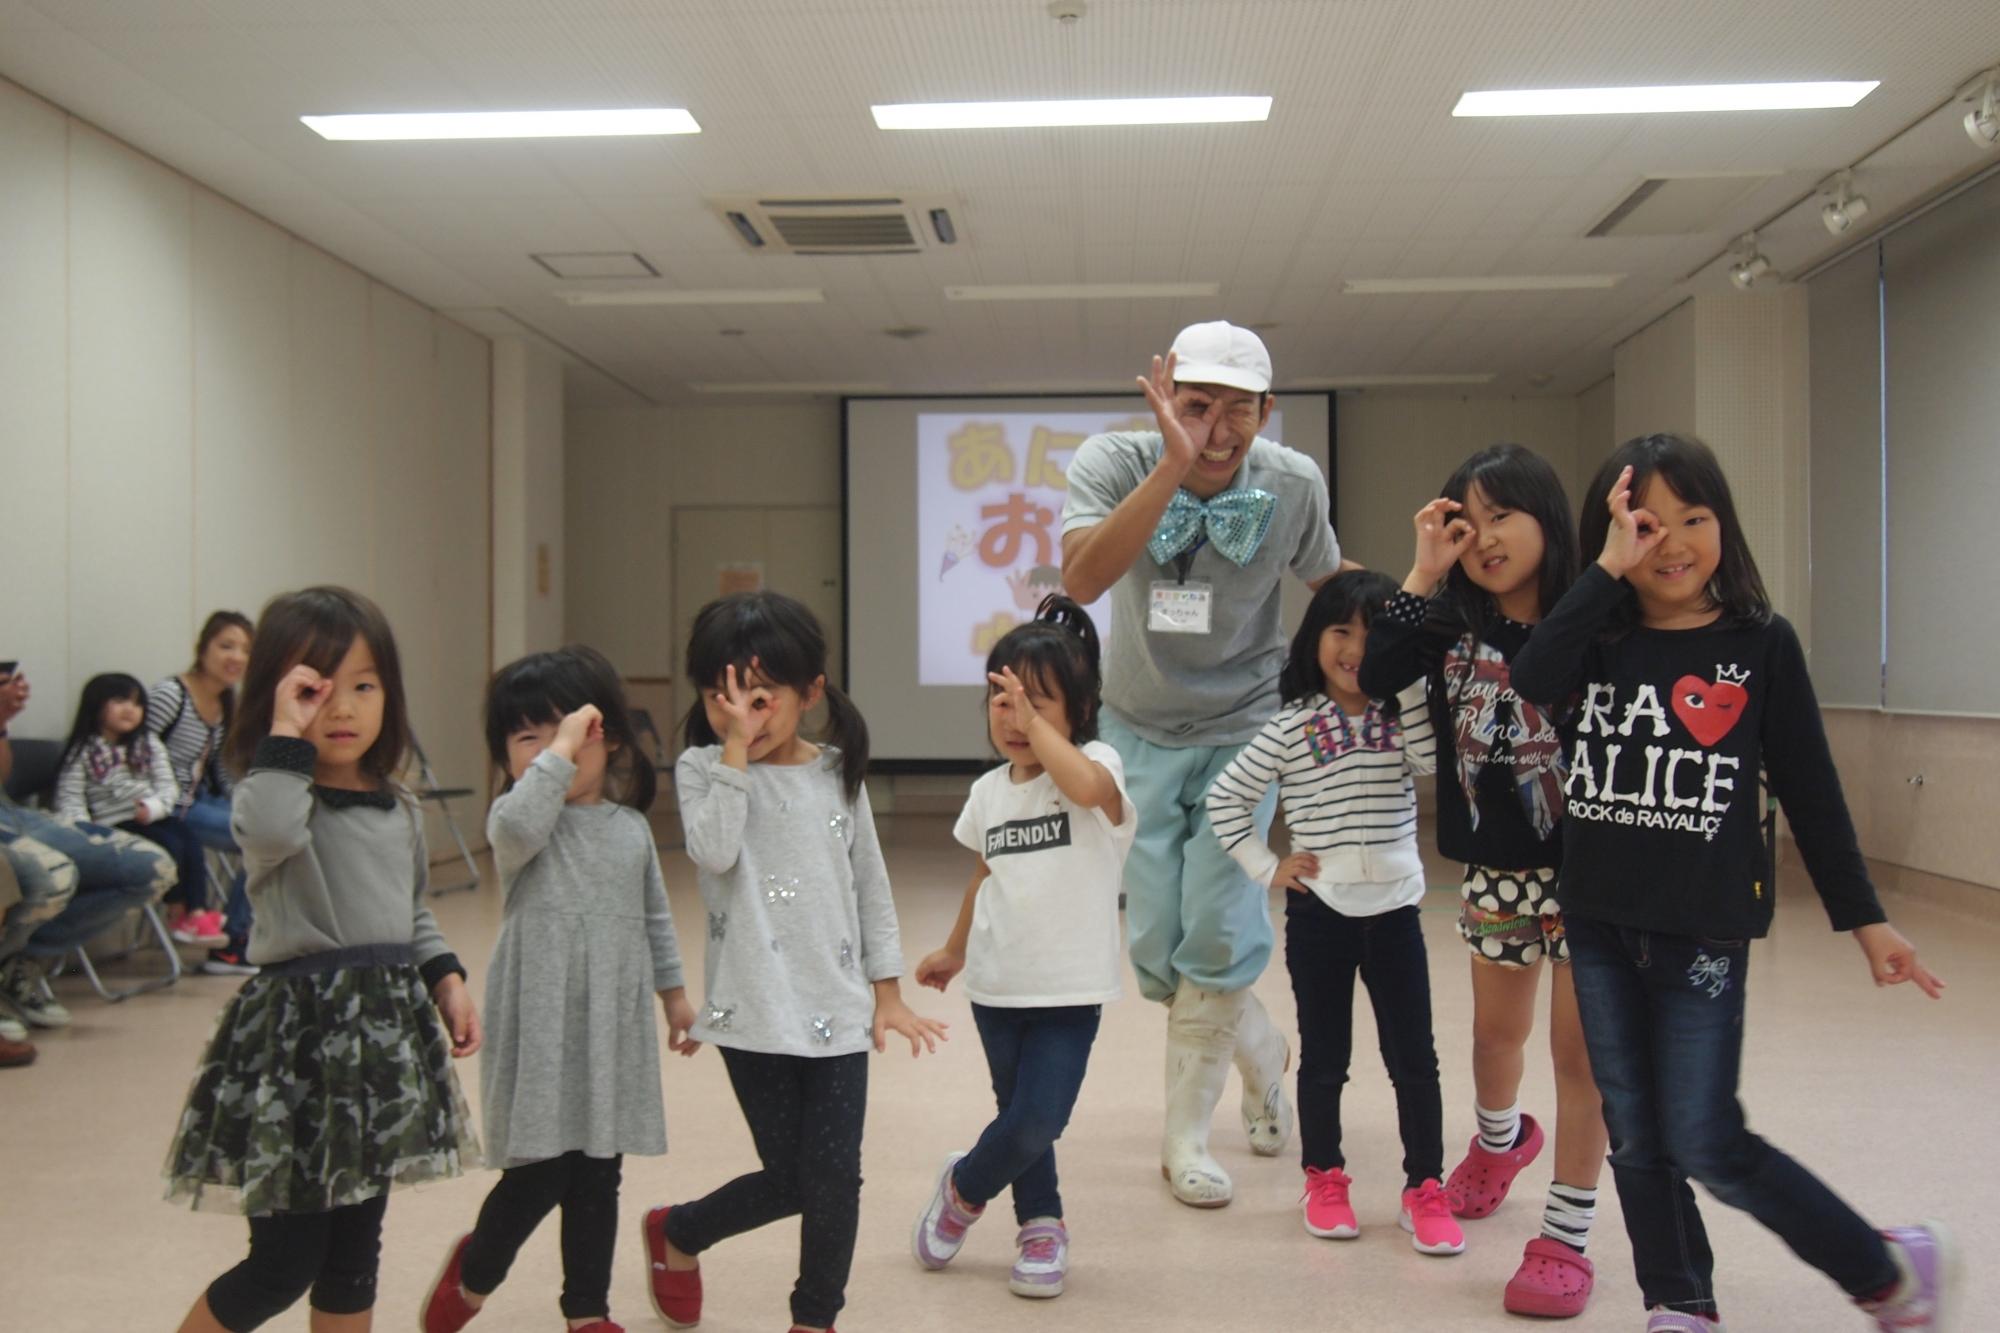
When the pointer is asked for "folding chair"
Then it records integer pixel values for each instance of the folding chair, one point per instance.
(151, 921)
(430, 791)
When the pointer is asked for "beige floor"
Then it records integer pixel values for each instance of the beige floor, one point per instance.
(1890, 1097)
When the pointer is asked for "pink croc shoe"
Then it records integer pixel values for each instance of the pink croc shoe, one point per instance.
(1479, 1184)
(1553, 1281)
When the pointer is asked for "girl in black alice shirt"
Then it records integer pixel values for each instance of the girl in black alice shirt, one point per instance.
(1686, 687)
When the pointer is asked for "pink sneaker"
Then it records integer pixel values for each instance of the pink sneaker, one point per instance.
(1479, 1184)
(1553, 1281)
(1328, 1214)
(1427, 1217)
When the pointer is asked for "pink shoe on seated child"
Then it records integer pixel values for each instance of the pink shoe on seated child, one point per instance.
(1553, 1281)
(1479, 1184)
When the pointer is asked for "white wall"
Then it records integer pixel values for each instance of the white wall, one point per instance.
(1596, 431)
(198, 410)
(1395, 452)
(627, 469)
(528, 483)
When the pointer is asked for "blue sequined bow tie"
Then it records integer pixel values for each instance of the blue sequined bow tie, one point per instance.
(1235, 522)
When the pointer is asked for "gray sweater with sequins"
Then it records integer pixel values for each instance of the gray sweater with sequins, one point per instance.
(800, 920)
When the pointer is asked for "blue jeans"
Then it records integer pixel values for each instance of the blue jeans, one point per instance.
(1663, 1018)
(112, 873)
(1037, 1057)
(208, 820)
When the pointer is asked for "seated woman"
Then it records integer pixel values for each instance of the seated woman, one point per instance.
(191, 713)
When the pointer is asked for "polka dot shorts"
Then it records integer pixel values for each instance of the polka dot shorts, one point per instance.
(1511, 917)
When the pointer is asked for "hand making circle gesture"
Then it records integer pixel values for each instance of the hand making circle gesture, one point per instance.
(1634, 532)
(748, 710)
(1185, 436)
(300, 696)
(1442, 537)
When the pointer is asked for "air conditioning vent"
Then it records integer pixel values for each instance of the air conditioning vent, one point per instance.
(1677, 205)
(837, 225)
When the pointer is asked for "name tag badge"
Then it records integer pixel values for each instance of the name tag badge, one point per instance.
(1180, 608)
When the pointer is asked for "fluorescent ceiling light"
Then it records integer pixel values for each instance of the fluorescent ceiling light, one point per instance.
(1643, 101)
(1082, 291)
(682, 296)
(1554, 282)
(788, 386)
(1390, 381)
(1095, 111)
(504, 124)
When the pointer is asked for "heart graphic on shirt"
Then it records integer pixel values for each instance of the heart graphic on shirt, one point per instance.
(1709, 710)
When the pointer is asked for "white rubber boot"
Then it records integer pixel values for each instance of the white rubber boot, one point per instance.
(1262, 1058)
(1200, 1032)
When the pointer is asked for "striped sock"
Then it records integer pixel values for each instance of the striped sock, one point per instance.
(1498, 1129)
(1568, 1214)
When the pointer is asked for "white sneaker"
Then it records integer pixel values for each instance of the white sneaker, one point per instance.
(13, 1029)
(1042, 1259)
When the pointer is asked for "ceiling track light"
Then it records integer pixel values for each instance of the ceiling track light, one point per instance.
(1844, 208)
(1751, 264)
(1982, 123)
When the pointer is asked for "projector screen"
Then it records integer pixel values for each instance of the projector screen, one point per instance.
(953, 513)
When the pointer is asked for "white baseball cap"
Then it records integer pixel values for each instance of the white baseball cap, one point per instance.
(1220, 353)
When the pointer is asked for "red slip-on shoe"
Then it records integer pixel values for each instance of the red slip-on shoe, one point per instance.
(446, 1309)
(676, 1296)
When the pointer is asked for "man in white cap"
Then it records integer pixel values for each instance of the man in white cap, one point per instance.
(1191, 529)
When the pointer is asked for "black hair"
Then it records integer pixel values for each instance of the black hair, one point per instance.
(97, 692)
(1351, 593)
(1515, 477)
(781, 636)
(217, 624)
(1057, 650)
(316, 627)
(1690, 468)
(547, 687)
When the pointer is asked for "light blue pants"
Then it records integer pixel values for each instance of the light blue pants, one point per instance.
(1190, 911)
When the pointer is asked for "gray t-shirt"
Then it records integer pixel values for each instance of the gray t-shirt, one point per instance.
(1217, 688)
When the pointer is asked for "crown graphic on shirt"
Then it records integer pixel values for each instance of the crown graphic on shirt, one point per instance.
(1731, 675)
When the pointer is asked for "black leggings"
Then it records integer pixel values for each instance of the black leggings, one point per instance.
(587, 1190)
(334, 1254)
(190, 890)
(805, 1117)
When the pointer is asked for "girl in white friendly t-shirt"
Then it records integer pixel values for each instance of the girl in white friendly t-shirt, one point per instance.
(1038, 936)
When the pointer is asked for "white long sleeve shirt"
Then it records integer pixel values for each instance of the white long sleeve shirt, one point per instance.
(1347, 787)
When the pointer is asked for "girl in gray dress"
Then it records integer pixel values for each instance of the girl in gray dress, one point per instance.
(571, 1081)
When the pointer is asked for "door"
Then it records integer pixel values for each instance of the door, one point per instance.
(794, 550)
